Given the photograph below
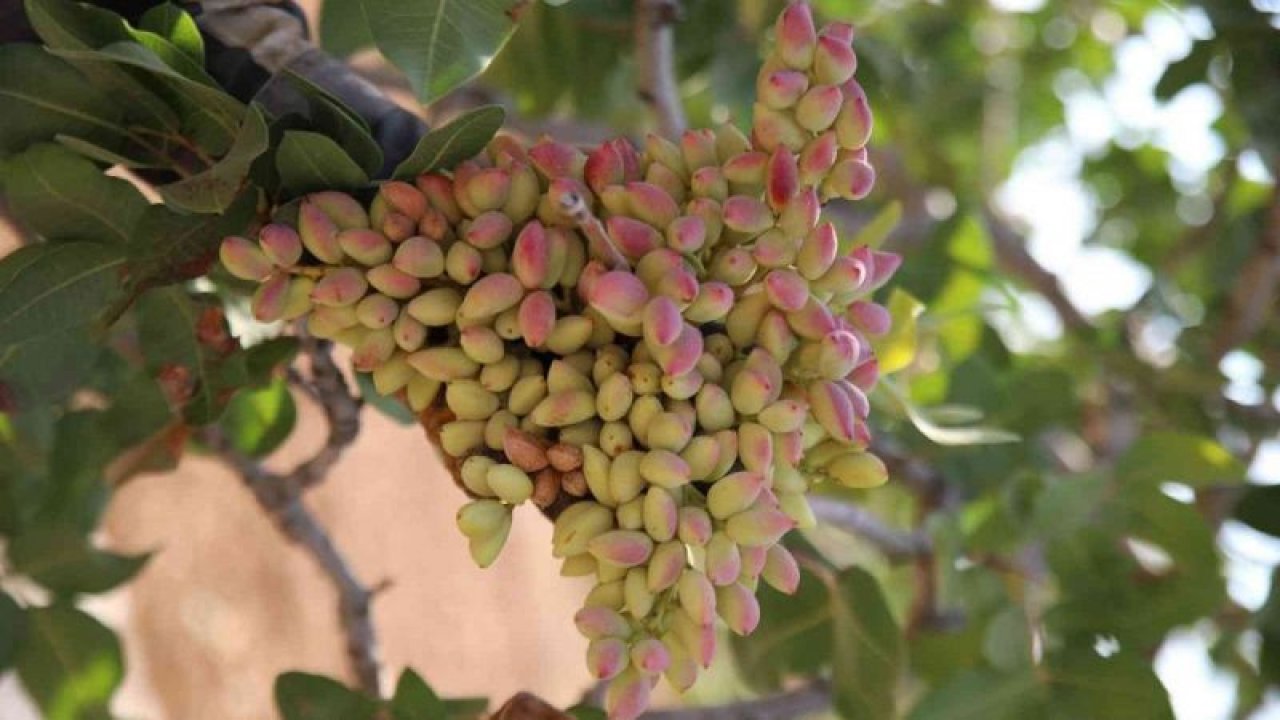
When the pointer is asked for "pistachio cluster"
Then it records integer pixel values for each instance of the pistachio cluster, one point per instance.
(662, 348)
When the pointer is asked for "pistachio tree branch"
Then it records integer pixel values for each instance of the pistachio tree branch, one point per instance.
(1012, 255)
(807, 700)
(280, 496)
(1253, 299)
(655, 63)
(895, 543)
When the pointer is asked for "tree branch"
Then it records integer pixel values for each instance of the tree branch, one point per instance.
(1012, 255)
(808, 700)
(655, 63)
(896, 544)
(280, 496)
(1254, 297)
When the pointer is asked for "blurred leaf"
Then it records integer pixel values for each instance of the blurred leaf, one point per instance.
(794, 636)
(103, 156)
(1191, 69)
(310, 161)
(215, 189)
(49, 288)
(177, 26)
(925, 423)
(897, 348)
(257, 421)
(1259, 508)
(44, 96)
(1179, 457)
(70, 664)
(586, 712)
(873, 234)
(47, 369)
(415, 700)
(439, 44)
(61, 196)
(467, 708)
(1268, 627)
(169, 247)
(389, 406)
(1007, 642)
(984, 695)
(1121, 687)
(343, 28)
(261, 360)
(867, 651)
(61, 559)
(302, 696)
(443, 148)
(13, 630)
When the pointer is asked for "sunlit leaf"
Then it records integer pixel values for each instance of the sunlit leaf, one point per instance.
(897, 348)
(70, 664)
(1182, 458)
(257, 421)
(445, 147)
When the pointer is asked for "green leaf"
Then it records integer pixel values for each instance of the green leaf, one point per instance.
(47, 369)
(302, 696)
(896, 349)
(415, 700)
(1121, 687)
(873, 234)
(343, 29)
(1007, 641)
(926, 423)
(261, 360)
(169, 246)
(310, 161)
(1182, 458)
(43, 96)
(1259, 508)
(330, 116)
(167, 326)
(389, 406)
(983, 695)
(103, 156)
(70, 664)
(61, 196)
(586, 712)
(213, 190)
(13, 630)
(467, 708)
(445, 147)
(867, 650)
(61, 559)
(440, 44)
(256, 421)
(52, 287)
(794, 636)
(177, 26)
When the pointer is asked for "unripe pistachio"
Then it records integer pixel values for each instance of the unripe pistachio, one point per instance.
(747, 215)
(319, 233)
(606, 657)
(526, 394)
(422, 391)
(377, 311)
(623, 548)
(463, 263)
(570, 334)
(244, 259)
(616, 438)
(712, 304)
(858, 470)
(485, 549)
(581, 565)
(817, 110)
(340, 287)
(436, 307)
(419, 257)
(367, 247)
(694, 526)
(555, 159)
(850, 179)
(660, 514)
(733, 266)
(281, 244)
(796, 506)
(781, 89)
(819, 155)
(801, 214)
(578, 525)
(511, 484)
(596, 468)
(522, 201)
(774, 128)
(797, 38)
(784, 415)
(747, 172)
(489, 296)
(781, 570)
(697, 597)
(709, 182)
(482, 344)
(270, 298)
(817, 252)
(734, 493)
(481, 518)
(871, 318)
(755, 447)
(646, 378)
(833, 61)
(787, 290)
(328, 321)
(444, 364)
(297, 298)
(668, 431)
(681, 356)
(761, 525)
(660, 150)
(724, 563)
(473, 474)
(374, 348)
(739, 608)
(600, 622)
(638, 599)
(614, 397)
(564, 408)
(664, 469)
(813, 321)
(460, 437)
(649, 655)
(344, 210)
(833, 409)
(627, 696)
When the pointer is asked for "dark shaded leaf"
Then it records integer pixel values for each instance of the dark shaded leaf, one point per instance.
(867, 650)
(70, 664)
(169, 247)
(44, 96)
(443, 148)
(310, 161)
(1121, 687)
(51, 287)
(61, 196)
(794, 636)
(415, 700)
(47, 369)
(389, 406)
(61, 559)
(13, 630)
(984, 695)
(215, 189)
(302, 696)
(261, 360)
(439, 44)
(1259, 508)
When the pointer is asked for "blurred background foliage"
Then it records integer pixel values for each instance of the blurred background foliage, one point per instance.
(1083, 438)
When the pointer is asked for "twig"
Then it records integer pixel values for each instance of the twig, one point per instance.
(281, 497)
(894, 543)
(1015, 259)
(599, 244)
(808, 700)
(655, 63)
